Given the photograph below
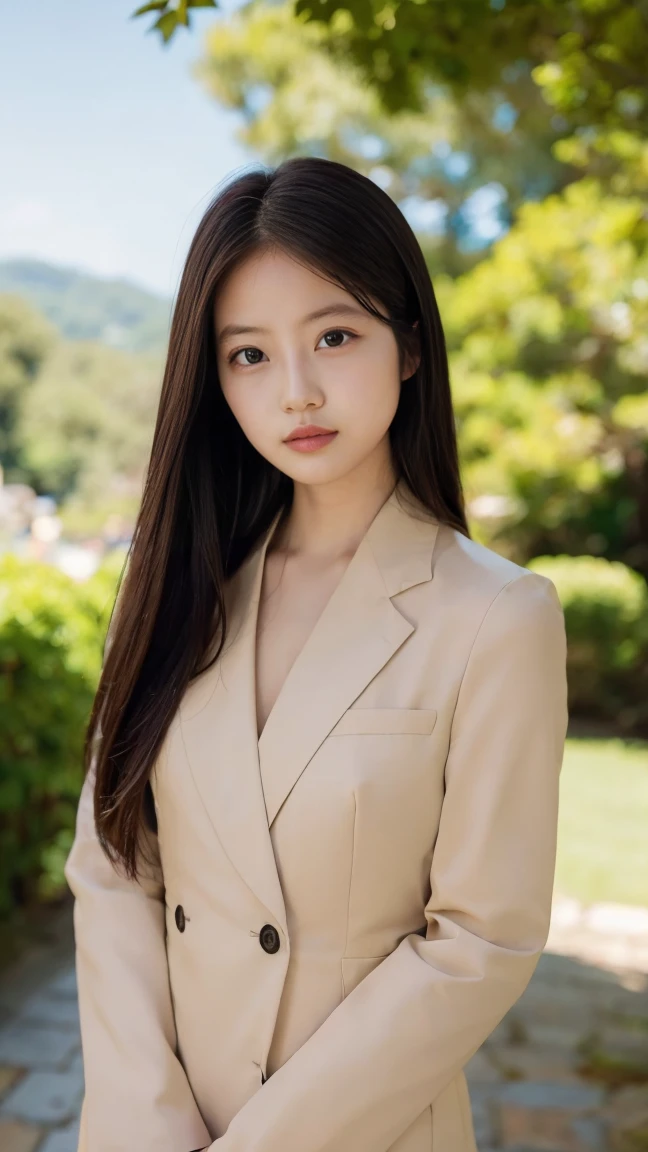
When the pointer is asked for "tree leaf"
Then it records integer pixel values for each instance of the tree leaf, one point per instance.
(167, 25)
(154, 6)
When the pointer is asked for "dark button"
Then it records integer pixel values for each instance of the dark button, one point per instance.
(269, 938)
(180, 918)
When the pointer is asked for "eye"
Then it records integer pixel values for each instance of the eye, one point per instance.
(338, 332)
(232, 358)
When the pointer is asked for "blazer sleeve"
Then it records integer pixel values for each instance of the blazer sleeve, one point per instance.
(407, 1029)
(136, 1091)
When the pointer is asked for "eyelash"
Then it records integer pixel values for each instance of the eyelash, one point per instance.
(231, 358)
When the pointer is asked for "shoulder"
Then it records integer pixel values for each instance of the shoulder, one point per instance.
(476, 580)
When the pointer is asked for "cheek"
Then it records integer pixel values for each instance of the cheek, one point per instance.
(367, 399)
(247, 405)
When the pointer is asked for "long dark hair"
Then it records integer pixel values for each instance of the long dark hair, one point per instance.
(209, 495)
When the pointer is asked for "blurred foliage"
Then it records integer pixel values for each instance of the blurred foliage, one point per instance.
(25, 339)
(100, 590)
(296, 96)
(606, 619)
(52, 632)
(443, 101)
(86, 424)
(172, 16)
(542, 106)
(549, 362)
(86, 307)
(88, 515)
(588, 56)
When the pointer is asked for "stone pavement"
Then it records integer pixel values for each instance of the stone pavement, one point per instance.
(565, 1071)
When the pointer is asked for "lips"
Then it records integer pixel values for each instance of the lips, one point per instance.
(309, 438)
(308, 431)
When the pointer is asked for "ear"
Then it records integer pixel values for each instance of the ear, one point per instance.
(413, 358)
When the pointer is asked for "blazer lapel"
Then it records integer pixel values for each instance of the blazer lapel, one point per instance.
(244, 781)
(358, 631)
(219, 730)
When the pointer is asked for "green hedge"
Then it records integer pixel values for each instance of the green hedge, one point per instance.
(606, 617)
(52, 632)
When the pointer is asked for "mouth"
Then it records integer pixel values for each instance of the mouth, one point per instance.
(309, 437)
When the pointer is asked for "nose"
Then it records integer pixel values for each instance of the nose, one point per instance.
(301, 389)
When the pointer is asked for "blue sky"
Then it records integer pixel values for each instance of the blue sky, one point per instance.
(111, 150)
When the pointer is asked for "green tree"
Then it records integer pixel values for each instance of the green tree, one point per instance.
(439, 98)
(546, 104)
(25, 339)
(87, 423)
(588, 56)
(549, 363)
(297, 95)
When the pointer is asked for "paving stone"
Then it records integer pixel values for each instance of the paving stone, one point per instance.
(552, 1116)
(617, 919)
(555, 1036)
(45, 1007)
(64, 984)
(627, 1115)
(552, 964)
(591, 981)
(8, 1077)
(18, 1137)
(549, 1094)
(483, 1104)
(480, 1070)
(628, 1013)
(577, 1019)
(616, 952)
(556, 987)
(45, 1098)
(580, 975)
(511, 1030)
(76, 1063)
(616, 1057)
(551, 1130)
(29, 1046)
(565, 912)
(537, 1062)
(62, 1140)
(561, 1138)
(625, 1035)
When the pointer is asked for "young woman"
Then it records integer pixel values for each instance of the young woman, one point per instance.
(315, 846)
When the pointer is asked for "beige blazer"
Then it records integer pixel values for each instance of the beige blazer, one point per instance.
(341, 912)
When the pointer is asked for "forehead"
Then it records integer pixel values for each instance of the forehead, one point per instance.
(276, 271)
(269, 290)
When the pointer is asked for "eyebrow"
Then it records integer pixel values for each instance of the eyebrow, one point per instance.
(330, 310)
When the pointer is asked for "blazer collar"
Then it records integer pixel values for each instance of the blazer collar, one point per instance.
(244, 781)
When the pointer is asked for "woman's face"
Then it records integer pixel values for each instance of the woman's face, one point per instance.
(291, 368)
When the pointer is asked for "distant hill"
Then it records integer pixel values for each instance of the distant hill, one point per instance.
(86, 307)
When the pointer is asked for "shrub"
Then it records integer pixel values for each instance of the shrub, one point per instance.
(606, 618)
(51, 644)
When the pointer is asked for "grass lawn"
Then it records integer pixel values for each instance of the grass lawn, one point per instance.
(603, 823)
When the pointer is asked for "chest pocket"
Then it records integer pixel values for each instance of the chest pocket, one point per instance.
(385, 722)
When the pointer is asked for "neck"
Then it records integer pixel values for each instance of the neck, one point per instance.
(327, 521)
